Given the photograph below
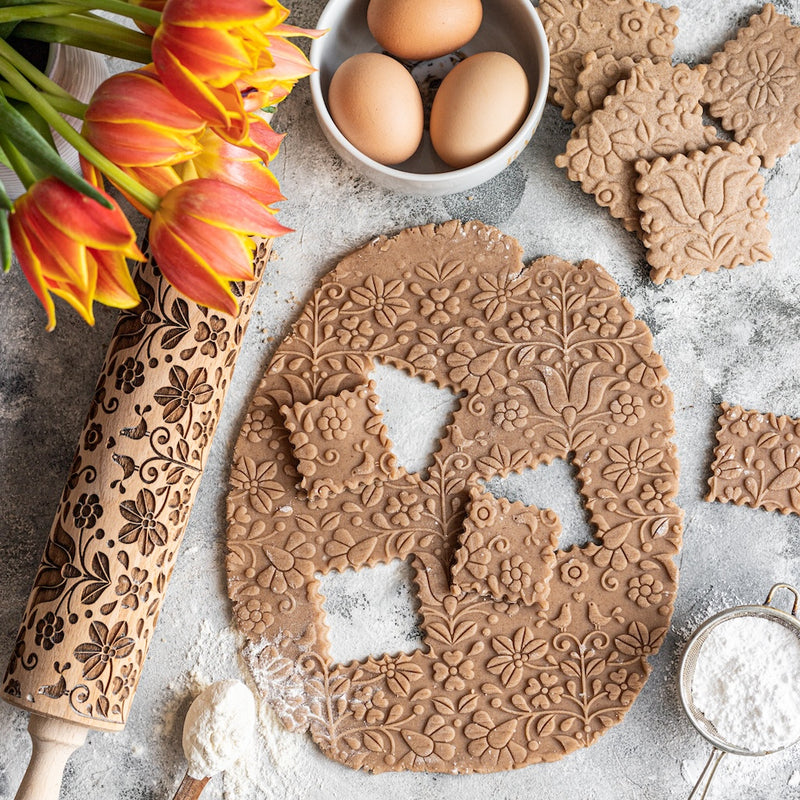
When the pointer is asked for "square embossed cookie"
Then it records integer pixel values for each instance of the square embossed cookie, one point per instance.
(753, 84)
(340, 442)
(506, 551)
(621, 28)
(654, 112)
(703, 211)
(756, 460)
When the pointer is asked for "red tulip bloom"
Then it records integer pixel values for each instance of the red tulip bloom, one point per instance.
(71, 246)
(134, 120)
(200, 239)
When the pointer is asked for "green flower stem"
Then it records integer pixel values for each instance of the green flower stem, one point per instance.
(108, 43)
(146, 15)
(34, 75)
(61, 104)
(35, 11)
(140, 193)
(18, 162)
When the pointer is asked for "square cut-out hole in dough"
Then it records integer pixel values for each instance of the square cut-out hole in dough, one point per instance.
(415, 413)
(554, 486)
(371, 611)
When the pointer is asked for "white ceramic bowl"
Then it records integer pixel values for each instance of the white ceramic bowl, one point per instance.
(510, 26)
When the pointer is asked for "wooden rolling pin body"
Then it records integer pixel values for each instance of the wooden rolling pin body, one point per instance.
(97, 594)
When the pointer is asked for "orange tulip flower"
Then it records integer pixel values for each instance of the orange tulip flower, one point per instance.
(134, 120)
(202, 47)
(71, 246)
(200, 239)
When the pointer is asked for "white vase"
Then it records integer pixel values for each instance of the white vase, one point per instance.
(80, 72)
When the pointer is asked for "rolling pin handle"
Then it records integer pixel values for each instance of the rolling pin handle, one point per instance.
(54, 741)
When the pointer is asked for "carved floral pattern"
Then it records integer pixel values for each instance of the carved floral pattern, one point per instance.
(112, 546)
(499, 684)
(753, 84)
(615, 27)
(756, 460)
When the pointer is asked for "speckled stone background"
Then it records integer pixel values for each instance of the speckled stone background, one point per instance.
(730, 335)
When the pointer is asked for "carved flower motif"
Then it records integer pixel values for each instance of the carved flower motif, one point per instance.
(623, 687)
(474, 372)
(645, 590)
(477, 556)
(254, 616)
(399, 674)
(203, 428)
(433, 742)
(134, 588)
(515, 573)
(333, 422)
(93, 436)
(515, 655)
(254, 484)
(454, 671)
(654, 494)
(483, 511)
(525, 324)
(510, 414)
(130, 375)
(384, 298)
(289, 565)
(354, 333)
(49, 631)
(105, 645)
(626, 409)
(633, 23)
(603, 320)
(744, 421)
(497, 291)
(257, 426)
(124, 682)
(87, 511)
(439, 305)
(213, 336)
(142, 526)
(574, 572)
(404, 509)
(369, 705)
(493, 743)
(184, 391)
(544, 691)
(766, 80)
(629, 463)
(639, 640)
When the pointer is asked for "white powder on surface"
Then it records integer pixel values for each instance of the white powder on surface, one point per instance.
(746, 683)
(218, 728)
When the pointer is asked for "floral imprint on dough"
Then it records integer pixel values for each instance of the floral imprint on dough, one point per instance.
(340, 442)
(753, 84)
(703, 211)
(620, 28)
(506, 551)
(498, 684)
(654, 112)
(756, 461)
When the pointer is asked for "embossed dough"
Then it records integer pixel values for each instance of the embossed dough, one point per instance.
(553, 364)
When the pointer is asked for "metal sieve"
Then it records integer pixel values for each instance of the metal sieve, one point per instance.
(722, 746)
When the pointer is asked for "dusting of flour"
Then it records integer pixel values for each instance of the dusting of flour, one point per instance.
(746, 683)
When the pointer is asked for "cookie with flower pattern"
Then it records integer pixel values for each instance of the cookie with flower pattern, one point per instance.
(703, 211)
(549, 361)
(620, 28)
(753, 84)
(654, 112)
(756, 460)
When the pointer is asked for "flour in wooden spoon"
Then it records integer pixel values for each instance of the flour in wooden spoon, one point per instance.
(747, 683)
(218, 728)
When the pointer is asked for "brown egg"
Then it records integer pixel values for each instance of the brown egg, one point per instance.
(421, 29)
(377, 106)
(479, 106)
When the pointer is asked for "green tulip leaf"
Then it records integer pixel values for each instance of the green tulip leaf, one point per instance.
(5, 233)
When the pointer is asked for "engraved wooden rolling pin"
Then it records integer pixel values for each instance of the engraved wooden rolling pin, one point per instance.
(91, 614)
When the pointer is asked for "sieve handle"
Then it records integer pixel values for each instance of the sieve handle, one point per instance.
(789, 588)
(704, 781)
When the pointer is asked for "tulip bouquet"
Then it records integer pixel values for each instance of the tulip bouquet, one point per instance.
(181, 138)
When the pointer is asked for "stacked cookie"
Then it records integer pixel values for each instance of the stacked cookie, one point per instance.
(640, 145)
